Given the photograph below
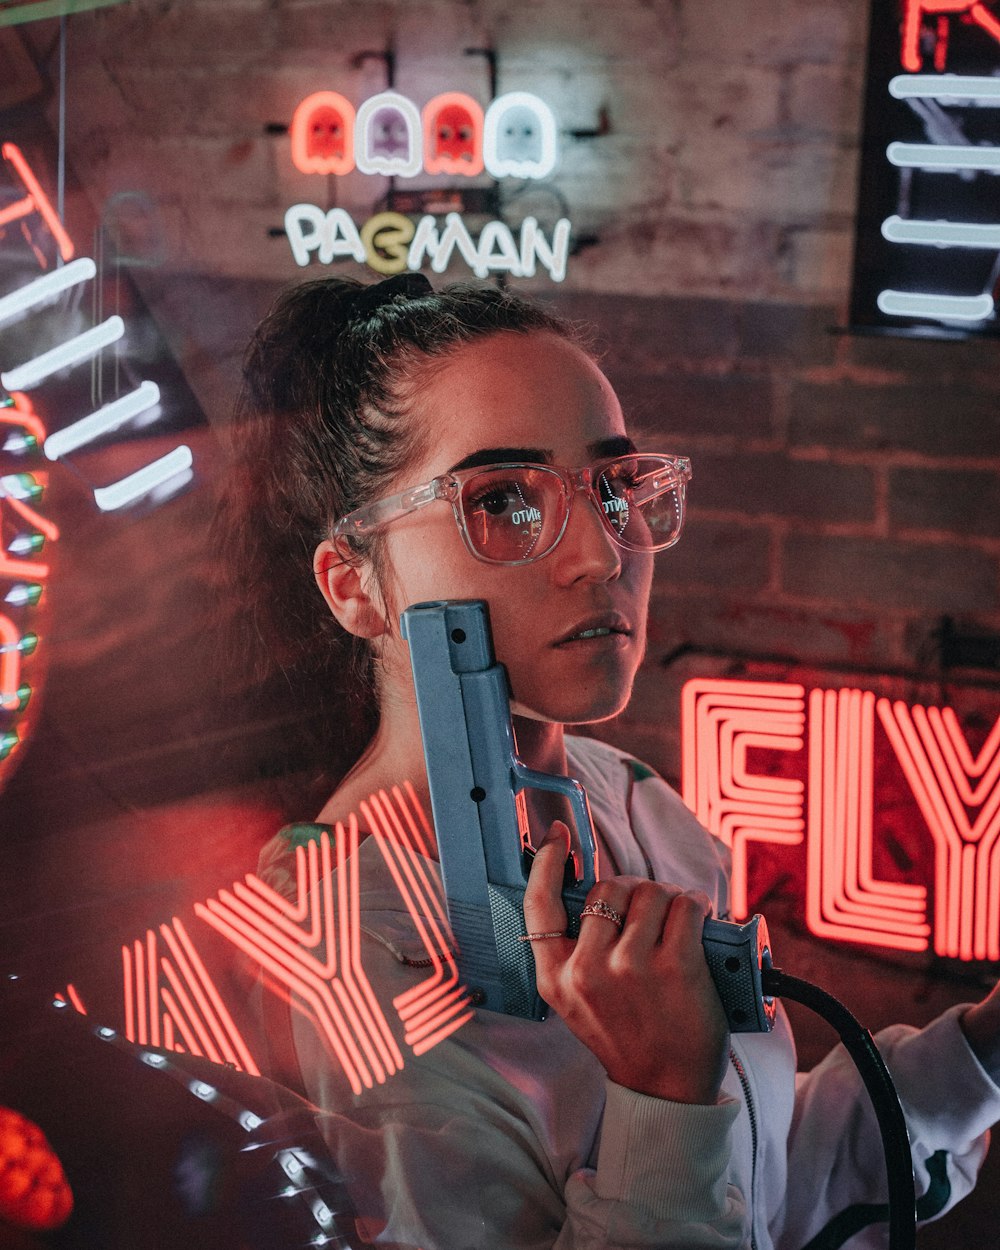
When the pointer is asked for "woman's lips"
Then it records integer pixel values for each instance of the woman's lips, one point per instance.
(616, 629)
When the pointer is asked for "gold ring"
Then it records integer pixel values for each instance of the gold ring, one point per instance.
(539, 937)
(606, 912)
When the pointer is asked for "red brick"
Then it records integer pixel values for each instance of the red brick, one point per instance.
(933, 419)
(957, 501)
(727, 555)
(670, 406)
(939, 578)
(762, 484)
(738, 625)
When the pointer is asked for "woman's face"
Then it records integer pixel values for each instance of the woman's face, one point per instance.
(531, 397)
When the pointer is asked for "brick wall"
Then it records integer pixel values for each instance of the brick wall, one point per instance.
(845, 492)
(728, 166)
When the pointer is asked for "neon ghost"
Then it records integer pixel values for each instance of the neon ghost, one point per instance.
(453, 135)
(387, 136)
(519, 137)
(322, 134)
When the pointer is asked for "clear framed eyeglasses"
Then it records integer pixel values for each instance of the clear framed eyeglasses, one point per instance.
(515, 513)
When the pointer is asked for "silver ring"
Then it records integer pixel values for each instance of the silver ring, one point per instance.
(540, 937)
(606, 912)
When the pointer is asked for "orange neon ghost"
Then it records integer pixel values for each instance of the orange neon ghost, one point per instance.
(453, 135)
(914, 13)
(322, 134)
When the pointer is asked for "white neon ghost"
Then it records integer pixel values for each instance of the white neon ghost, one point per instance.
(519, 137)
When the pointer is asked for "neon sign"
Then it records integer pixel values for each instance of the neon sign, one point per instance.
(25, 534)
(832, 809)
(391, 243)
(453, 135)
(322, 134)
(308, 951)
(165, 474)
(388, 135)
(306, 944)
(927, 256)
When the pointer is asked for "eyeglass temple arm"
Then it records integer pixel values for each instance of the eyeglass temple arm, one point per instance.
(363, 520)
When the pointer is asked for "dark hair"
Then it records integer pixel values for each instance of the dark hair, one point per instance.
(319, 429)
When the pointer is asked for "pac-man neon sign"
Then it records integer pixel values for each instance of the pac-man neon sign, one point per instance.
(388, 134)
(391, 242)
(453, 135)
(832, 811)
(516, 137)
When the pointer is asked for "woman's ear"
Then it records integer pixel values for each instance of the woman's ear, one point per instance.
(350, 591)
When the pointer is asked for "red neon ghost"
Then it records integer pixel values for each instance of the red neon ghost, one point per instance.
(453, 135)
(322, 134)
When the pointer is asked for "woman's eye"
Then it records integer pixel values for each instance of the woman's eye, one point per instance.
(621, 484)
(496, 501)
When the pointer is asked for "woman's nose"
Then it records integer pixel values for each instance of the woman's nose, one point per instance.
(587, 549)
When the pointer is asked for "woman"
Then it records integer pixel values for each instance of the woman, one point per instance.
(371, 421)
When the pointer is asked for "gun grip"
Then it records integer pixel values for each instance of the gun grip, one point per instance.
(736, 955)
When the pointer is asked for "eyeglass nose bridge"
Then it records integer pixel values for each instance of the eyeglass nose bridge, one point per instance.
(584, 480)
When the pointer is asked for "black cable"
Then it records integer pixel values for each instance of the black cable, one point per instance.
(860, 1045)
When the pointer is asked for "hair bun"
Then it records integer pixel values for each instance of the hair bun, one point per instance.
(400, 287)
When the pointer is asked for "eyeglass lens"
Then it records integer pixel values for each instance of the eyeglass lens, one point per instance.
(516, 513)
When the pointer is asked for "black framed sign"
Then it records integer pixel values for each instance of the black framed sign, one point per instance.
(927, 248)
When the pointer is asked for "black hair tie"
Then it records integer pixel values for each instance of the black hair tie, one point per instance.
(401, 286)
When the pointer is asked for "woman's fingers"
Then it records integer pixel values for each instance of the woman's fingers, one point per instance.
(648, 909)
(544, 912)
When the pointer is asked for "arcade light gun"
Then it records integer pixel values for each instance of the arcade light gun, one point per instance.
(477, 785)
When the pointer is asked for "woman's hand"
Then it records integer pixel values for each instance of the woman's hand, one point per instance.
(981, 1026)
(642, 999)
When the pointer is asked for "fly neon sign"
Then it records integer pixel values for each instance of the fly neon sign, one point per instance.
(388, 135)
(928, 243)
(307, 948)
(305, 941)
(731, 727)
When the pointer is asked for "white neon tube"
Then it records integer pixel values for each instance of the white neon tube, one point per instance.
(128, 489)
(940, 307)
(943, 156)
(82, 347)
(103, 421)
(941, 233)
(945, 87)
(44, 288)
(13, 486)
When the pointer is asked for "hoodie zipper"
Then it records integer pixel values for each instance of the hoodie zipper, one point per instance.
(741, 1072)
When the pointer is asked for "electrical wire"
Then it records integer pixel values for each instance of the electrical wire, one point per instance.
(860, 1045)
